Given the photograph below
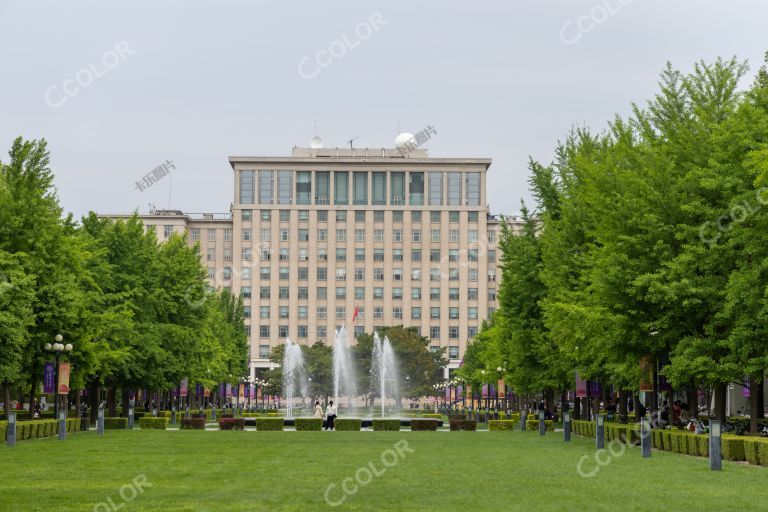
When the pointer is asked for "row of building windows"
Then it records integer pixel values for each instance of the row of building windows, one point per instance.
(435, 217)
(322, 332)
(359, 188)
(453, 350)
(284, 273)
(395, 235)
(321, 293)
(265, 312)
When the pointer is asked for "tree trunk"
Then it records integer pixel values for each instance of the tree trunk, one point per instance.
(124, 398)
(622, 406)
(33, 390)
(549, 398)
(93, 400)
(755, 383)
(693, 400)
(577, 408)
(720, 392)
(6, 399)
(77, 403)
(112, 401)
(761, 400)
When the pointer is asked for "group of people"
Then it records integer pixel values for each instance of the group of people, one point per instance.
(330, 414)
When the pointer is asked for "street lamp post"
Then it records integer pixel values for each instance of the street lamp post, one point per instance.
(57, 348)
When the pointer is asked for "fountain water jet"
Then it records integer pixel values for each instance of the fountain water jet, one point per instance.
(384, 370)
(343, 369)
(294, 375)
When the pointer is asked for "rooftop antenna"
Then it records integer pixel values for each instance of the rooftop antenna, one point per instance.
(398, 127)
(350, 141)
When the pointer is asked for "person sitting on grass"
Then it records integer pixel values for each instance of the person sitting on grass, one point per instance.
(330, 411)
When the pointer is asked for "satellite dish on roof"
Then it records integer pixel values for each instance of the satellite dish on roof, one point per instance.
(316, 142)
(403, 139)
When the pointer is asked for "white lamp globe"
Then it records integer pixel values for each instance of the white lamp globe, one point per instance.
(48, 346)
(68, 347)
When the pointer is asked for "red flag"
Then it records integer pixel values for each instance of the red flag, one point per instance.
(354, 315)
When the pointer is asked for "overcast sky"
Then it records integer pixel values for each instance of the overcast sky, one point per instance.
(118, 88)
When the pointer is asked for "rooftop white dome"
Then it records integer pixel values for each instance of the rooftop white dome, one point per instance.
(403, 139)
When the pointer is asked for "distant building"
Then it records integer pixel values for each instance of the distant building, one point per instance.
(398, 237)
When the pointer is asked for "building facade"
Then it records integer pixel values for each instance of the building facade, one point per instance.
(354, 237)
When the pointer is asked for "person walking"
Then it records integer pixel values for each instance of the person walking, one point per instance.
(318, 410)
(330, 412)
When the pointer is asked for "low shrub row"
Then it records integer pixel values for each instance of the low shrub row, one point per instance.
(115, 423)
(628, 434)
(502, 425)
(453, 417)
(583, 428)
(432, 415)
(421, 424)
(151, 423)
(381, 425)
(193, 423)
(469, 425)
(232, 424)
(35, 429)
(308, 424)
(549, 425)
(269, 424)
(347, 424)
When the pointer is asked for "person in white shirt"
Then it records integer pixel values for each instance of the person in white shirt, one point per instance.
(330, 412)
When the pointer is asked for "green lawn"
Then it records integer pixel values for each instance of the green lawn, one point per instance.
(251, 471)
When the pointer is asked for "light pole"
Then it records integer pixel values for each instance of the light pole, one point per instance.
(57, 348)
(487, 391)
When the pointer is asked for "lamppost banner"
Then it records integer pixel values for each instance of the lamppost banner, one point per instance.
(183, 392)
(49, 387)
(64, 369)
(581, 386)
(206, 392)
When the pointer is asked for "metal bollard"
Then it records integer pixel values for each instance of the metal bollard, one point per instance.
(715, 445)
(11, 430)
(566, 426)
(62, 425)
(645, 437)
(600, 432)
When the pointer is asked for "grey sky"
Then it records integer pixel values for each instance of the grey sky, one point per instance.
(205, 80)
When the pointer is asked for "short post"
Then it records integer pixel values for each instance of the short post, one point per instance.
(62, 425)
(130, 418)
(645, 436)
(523, 418)
(187, 414)
(173, 415)
(11, 430)
(715, 440)
(213, 413)
(566, 426)
(542, 423)
(154, 412)
(100, 422)
(600, 432)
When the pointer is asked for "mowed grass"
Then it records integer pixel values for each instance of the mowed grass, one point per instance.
(253, 471)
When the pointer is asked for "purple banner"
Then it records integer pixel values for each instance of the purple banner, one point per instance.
(48, 386)
(229, 390)
(460, 391)
(745, 388)
(485, 391)
(221, 390)
(247, 391)
(174, 392)
(594, 388)
(198, 389)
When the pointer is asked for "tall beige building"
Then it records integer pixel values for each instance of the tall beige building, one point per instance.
(401, 238)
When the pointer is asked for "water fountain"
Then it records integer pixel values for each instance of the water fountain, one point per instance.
(343, 369)
(384, 371)
(294, 376)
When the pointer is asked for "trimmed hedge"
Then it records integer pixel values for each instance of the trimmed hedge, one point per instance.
(35, 429)
(423, 424)
(502, 425)
(232, 424)
(434, 416)
(533, 425)
(452, 417)
(115, 423)
(459, 425)
(381, 425)
(733, 448)
(193, 423)
(150, 423)
(347, 424)
(271, 424)
(309, 424)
